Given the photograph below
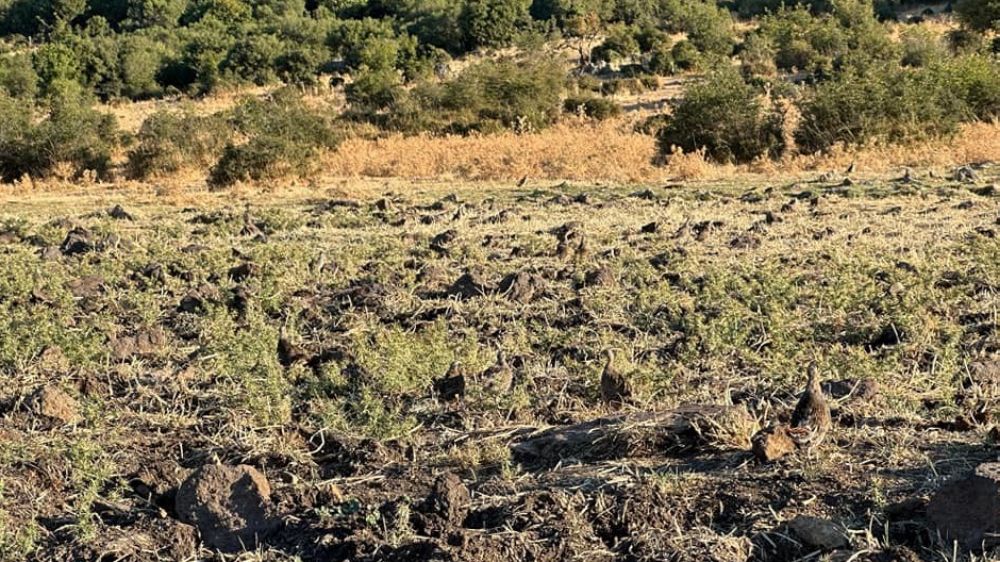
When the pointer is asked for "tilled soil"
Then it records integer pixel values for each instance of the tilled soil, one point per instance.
(368, 371)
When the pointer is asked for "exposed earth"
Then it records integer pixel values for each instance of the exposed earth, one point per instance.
(396, 374)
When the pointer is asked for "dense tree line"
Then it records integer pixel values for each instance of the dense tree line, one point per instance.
(851, 78)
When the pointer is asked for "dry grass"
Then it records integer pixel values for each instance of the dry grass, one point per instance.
(612, 151)
(572, 151)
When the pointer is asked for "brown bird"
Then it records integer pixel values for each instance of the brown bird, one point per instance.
(498, 378)
(452, 385)
(811, 419)
(615, 388)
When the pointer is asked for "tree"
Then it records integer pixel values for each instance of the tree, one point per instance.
(492, 23)
(980, 15)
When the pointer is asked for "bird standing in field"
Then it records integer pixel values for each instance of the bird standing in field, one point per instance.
(615, 388)
(811, 419)
(499, 378)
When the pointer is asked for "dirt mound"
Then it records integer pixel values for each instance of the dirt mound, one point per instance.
(230, 506)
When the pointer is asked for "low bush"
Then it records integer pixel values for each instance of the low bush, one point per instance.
(283, 138)
(169, 142)
(921, 47)
(489, 96)
(68, 133)
(891, 105)
(592, 106)
(726, 117)
(976, 81)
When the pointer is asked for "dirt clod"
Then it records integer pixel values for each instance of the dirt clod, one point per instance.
(446, 506)
(55, 405)
(230, 506)
(819, 533)
(78, 241)
(772, 444)
(967, 510)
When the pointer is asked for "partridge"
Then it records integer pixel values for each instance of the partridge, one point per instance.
(499, 378)
(615, 388)
(811, 419)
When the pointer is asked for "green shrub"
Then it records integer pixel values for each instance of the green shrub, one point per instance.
(757, 56)
(921, 47)
(980, 15)
(686, 56)
(68, 133)
(890, 105)
(592, 106)
(620, 44)
(253, 59)
(724, 116)
(976, 81)
(283, 138)
(489, 96)
(169, 142)
(374, 90)
(709, 27)
(17, 77)
(965, 41)
(140, 60)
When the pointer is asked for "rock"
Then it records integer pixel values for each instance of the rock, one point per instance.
(78, 241)
(53, 404)
(230, 506)
(856, 390)
(819, 533)
(53, 360)
(772, 444)
(651, 228)
(744, 242)
(967, 510)
(442, 242)
(197, 299)
(451, 385)
(965, 174)
(49, 253)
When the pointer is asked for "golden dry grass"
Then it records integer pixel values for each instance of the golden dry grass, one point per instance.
(612, 151)
(569, 151)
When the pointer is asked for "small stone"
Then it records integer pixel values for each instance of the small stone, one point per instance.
(230, 506)
(54, 404)
(771, 445)
(967, 510)
(819, 533)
